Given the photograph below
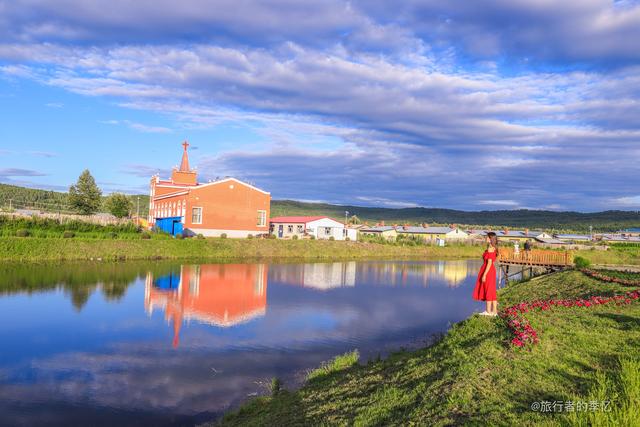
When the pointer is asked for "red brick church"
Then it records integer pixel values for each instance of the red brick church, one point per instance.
(181, 205)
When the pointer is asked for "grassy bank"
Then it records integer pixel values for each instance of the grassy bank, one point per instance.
(474, 376)
(163, 247)
(44, 249)
(615, 255)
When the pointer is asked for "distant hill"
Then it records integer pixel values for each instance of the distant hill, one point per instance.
(522, 218)
(29, 198)
(49, 201)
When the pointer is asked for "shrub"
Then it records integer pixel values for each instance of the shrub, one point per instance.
(332, 238)
(250, 236)
(223, 236)
(580, 262)
(295, 237)
(347, 239)
(200, 236)
(112, 235)
(276, 386)
(313, 237)
(272, 236)
(179, 236)
(68, 234)
(118, 205)
(22, 233)
(145, 235)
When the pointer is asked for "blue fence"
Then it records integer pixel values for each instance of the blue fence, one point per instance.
(171, 225)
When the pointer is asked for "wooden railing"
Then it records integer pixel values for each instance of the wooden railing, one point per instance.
(539, 257)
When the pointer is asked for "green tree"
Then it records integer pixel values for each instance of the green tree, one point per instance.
(354, 220)
(118, 205)
(85, 196)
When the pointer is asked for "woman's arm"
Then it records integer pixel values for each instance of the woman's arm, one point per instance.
(486, 269)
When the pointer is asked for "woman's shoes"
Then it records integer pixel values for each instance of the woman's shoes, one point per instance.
(486, 313)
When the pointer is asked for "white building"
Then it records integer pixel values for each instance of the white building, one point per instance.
(320, 227)
(434, 233)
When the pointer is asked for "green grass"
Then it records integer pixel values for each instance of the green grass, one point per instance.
(54, 228)
(615, 255)
(622, 392)
(337, 364)
(473, 377)
(44, 249)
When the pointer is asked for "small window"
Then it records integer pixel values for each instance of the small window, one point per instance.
(301, 229)
(262, 218)
(196, 215)
(327, 230)
(289, 228)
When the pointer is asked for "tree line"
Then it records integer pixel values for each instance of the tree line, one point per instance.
(84, 197)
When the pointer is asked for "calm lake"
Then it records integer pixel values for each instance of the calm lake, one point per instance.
(170, 344)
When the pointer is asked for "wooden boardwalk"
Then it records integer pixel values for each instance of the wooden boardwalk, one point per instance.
(536, 257)
(523, 261)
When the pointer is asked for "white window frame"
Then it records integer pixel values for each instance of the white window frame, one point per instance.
(262, 218)
(194, 208)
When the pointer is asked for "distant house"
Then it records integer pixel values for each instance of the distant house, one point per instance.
(320, 227)
(630, 232)
(433, 233)
(181, 205)
(513, 235)
(386, 231)
(551, 242)
(619, 238)
(573, 237)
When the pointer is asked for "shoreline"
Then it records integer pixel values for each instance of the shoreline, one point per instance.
(34, 249)
(44, 249)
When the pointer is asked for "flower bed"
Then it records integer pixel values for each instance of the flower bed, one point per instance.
(620, 277)
(525, 335)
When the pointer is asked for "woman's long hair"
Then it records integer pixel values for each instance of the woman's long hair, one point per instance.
(493, 241)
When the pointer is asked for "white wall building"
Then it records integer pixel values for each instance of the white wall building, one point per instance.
(320, 227)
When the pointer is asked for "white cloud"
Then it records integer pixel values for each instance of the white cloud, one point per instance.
(138, 126)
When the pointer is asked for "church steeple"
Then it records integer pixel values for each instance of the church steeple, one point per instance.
(184, 164)
(184, 175)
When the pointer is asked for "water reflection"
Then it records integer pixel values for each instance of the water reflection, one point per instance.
(220, 295)
(322, 276)
(107, 357)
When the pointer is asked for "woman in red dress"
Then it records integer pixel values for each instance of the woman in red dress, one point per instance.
(485, 289)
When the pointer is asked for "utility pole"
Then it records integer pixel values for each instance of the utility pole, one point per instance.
(346, 214)
(138, 208)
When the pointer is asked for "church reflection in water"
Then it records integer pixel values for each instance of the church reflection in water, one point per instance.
(217, 294)
(225, 295)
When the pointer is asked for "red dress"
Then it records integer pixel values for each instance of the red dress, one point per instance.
(486, 291)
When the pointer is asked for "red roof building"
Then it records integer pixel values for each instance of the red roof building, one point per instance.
(181, 205)
(318, 227)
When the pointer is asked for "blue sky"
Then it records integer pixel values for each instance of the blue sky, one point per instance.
(493, 104)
